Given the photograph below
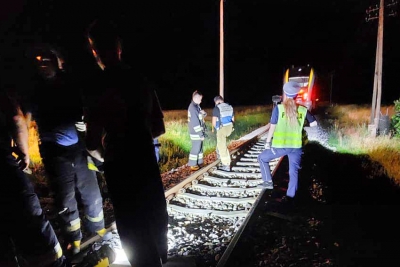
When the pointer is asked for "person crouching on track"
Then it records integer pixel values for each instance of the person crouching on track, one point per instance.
(222, 122)
(286, 127)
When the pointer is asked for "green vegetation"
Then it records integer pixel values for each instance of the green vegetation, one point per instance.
(395, 123)
(346, 126)
(176, 144)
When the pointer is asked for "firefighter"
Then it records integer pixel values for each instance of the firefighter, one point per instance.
(119, 125)
(24, 221)
(285, 132)
(197, 133)
(55, 105)
(222, 121)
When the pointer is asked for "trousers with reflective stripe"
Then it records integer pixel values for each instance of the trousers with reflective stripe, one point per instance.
(196, 153)
(73, 182)
(23, 220)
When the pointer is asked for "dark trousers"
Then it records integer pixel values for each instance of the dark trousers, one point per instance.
(294, 155)
(196, 153)
(73, 182)
(23, 220)
(140, 208)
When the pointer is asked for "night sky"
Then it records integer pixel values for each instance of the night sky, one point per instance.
(176, 44)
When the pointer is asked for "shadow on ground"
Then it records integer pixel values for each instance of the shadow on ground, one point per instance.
(344, 214)
(358, 205)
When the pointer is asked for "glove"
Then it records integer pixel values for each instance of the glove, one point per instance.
(97, 154)
(80, 126)
(267, 145)
(203, 113)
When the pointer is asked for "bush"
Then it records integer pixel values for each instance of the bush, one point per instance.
(395, 123)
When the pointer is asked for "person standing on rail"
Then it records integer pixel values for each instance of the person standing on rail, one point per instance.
(285, 132)
(24, 222)
(119, 124)
(197, 133)
(64, 159)
(222, 121)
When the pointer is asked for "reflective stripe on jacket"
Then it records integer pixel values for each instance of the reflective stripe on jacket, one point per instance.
(287, 135)
(195, 121)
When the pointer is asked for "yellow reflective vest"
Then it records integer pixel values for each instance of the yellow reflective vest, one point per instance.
(287, 135)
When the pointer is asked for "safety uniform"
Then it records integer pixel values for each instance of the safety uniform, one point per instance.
(224, 127)
(23, 221)
(65, 159)
(196, 132)
(287, 140)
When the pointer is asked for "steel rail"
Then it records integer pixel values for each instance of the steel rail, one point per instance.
(239, 171)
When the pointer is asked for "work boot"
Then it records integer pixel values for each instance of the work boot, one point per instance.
(112, 239)
(225, 168)
(61, 262)
(98, 256)
(73, 248)
(194, 168)
(267, 185)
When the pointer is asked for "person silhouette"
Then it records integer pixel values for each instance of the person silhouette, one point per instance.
(119, 125)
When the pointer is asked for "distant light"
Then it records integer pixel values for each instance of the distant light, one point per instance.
(39, 58)
(299, 69)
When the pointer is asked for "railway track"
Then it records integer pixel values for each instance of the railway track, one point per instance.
(209, 210)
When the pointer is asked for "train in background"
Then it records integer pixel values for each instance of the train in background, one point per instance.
(305, 75)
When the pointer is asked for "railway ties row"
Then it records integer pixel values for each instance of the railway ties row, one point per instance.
(206, 213)
(208, 210)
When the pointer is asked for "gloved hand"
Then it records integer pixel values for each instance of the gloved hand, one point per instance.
(80, 126)
(267, 145)
(97, 154)
(203, 113)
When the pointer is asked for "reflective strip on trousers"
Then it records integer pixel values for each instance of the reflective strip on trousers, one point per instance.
(198, 128)
(74, 225)
(195, 137)
(99, 218)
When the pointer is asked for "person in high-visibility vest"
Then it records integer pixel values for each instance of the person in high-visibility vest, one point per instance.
(222, 121)
(286, 133)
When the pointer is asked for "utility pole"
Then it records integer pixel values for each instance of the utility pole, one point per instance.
(377, 88)
(221, 48)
